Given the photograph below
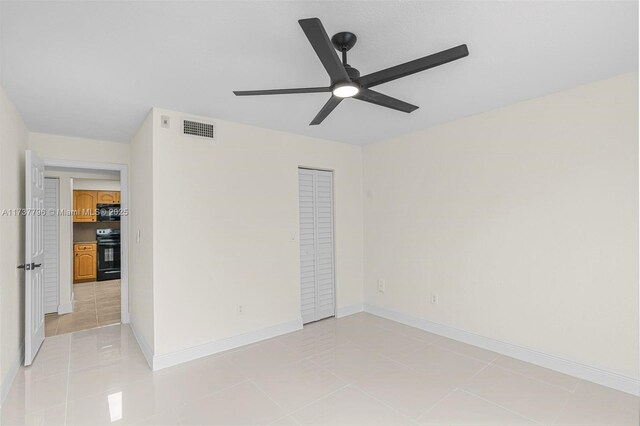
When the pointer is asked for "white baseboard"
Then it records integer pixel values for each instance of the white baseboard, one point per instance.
(147, 352)
(210, 348)
(8, 378)
(349, 310)
(586, 372)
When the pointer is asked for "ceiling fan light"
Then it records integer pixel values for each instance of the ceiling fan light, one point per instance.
(346, 90)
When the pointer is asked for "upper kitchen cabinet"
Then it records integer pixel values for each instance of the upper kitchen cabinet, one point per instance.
(108, 197)
(84, 206)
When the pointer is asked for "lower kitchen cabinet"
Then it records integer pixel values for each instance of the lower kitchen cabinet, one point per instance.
(85, 262)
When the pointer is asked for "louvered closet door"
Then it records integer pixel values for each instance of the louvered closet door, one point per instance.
(317, 278)
(51, 247)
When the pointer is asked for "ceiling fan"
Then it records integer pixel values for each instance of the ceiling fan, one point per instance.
(346, 81)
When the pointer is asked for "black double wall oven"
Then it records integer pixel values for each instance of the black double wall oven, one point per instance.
(108, 254)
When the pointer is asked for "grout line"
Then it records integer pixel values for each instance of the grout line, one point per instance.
(317, 400)
(480, 371)
(95, 302)
(566, 402)
(436, 403)
(66, 399)
(500, 406)
(268, 396)
(544, 382)
(284, 417)
(201, 397)
(385, 404)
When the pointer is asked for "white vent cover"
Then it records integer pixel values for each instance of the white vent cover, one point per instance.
(197, 128)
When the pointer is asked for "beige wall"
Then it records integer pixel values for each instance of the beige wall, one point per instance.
(13, 142)
(524, 221)
(98, 184)
(226, 229)
(80, 149)
(141, 234)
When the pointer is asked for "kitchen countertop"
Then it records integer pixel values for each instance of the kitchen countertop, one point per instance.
(85, 242)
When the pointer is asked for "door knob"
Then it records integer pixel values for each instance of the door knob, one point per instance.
(29, 266)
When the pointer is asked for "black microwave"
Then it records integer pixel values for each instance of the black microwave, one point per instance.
(108, 212)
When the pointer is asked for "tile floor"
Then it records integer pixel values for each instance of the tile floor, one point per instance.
(360, 369)
(95, 304)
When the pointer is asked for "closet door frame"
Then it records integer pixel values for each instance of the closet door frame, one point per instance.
(333, 233)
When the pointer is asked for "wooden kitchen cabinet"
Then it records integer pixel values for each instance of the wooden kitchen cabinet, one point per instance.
(108, 197)
(84, 204)
(85, 262)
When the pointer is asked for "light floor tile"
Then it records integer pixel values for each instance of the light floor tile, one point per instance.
(48, 366)
(35, 395)
(466, 350)
(163, 418)
(405, 389)
(462, 408)
(529, 397)
(108, 378)
(592, 405)
(123, 404)
(349, 406)
(53, 416)
(185, 383)
(531, 370)
(440, 363)
(243, 404)
(312, 340)
(354, 370)
(406, 330)
(297, 384)
(256, 358)
(390, 344)
(351, 362)
(285, 421)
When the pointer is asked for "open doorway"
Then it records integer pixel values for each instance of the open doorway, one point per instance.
(85, 273)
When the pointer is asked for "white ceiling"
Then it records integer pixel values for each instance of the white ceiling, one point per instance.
(93, 69)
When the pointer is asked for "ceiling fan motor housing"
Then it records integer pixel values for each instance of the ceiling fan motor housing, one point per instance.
(353, 73)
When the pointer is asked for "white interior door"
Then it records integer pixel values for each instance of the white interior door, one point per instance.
(34, 257)
(317, 275)
(51, 242)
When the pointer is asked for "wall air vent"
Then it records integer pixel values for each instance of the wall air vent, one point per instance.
(197, 128)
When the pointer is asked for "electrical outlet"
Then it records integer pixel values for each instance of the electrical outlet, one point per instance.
(381, 286)
(433, 297)
(240, 309)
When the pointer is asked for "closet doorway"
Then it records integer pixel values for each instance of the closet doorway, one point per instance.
(317, 263)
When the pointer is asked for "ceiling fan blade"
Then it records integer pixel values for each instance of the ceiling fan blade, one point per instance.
(281, 91)
(377, 98)
(326, 110)
(321, 43)
(415, 66)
